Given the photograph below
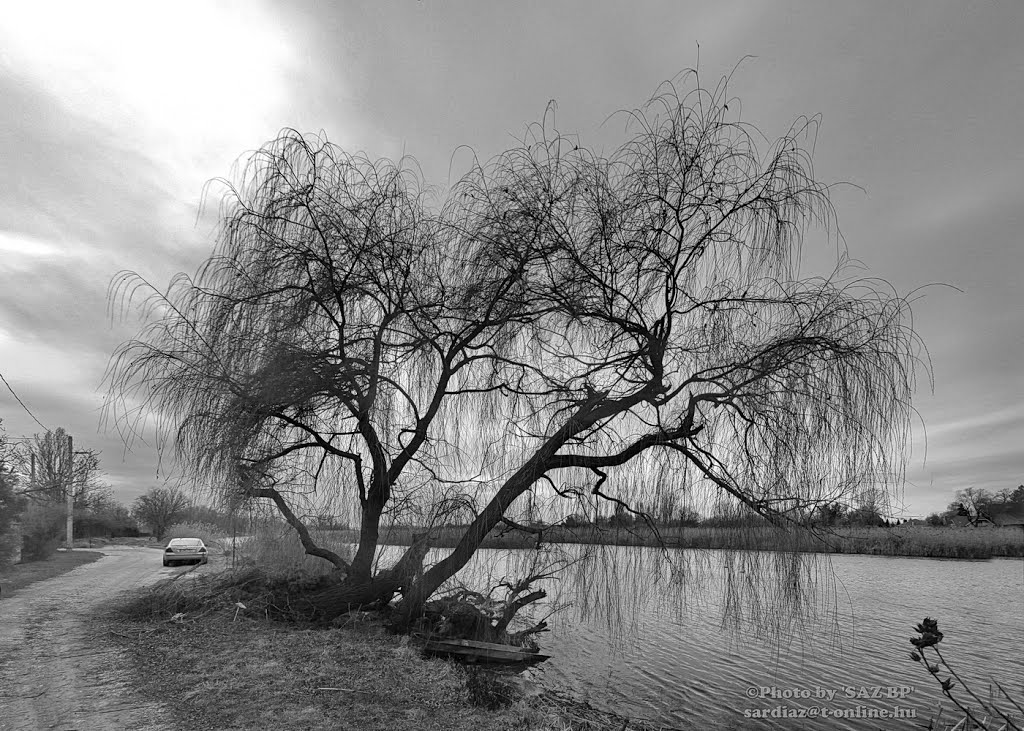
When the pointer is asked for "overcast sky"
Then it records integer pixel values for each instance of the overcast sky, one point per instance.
(114, 115)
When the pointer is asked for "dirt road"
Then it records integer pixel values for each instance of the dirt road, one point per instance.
(55, 674)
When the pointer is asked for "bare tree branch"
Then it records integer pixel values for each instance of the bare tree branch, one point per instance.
(396, 356)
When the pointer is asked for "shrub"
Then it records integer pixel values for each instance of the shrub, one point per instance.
(10, 545)
(105, 519)
(42, 528)
(11, 506)
(249, 592)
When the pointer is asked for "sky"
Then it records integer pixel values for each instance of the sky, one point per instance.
(114, 116)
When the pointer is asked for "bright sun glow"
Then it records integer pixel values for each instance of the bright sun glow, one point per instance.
(195, 84)
(13, 246)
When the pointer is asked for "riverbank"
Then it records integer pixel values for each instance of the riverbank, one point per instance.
(233, 671)
(910, 540)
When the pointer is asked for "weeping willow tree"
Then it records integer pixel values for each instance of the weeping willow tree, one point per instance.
(625, 328)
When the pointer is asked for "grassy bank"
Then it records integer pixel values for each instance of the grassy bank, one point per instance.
(21, 575)
(229, 669)
(926, 541)
(910, 540)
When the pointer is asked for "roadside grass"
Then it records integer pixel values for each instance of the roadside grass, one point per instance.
(218, 666)
(21, 575)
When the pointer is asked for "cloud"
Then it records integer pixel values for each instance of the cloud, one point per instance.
(23, 249)
(117, 113)
(123, 112)
(963, 200)
(184, 84)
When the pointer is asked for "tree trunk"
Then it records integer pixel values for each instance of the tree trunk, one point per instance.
(369, 536)
(589, 412)
(356, 592)
(352, 595)
(421, 590)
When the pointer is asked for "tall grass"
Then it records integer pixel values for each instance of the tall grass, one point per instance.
(276, 550)
(908, 540)
(207, 532)
(936, 542)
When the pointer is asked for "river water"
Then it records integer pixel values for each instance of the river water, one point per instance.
(760, 640)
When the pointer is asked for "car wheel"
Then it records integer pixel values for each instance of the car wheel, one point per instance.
(166, 564)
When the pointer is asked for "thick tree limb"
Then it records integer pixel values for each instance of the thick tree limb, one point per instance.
(300, 528)
(517, 604)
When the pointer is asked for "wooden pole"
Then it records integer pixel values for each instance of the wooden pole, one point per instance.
(71, 494)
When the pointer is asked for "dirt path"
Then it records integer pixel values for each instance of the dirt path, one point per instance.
(54, 673)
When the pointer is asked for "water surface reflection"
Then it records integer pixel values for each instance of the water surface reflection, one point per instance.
(693, 639)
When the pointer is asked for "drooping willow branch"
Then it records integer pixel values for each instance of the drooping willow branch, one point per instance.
(555, 315)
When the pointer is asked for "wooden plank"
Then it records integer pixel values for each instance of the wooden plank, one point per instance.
(480, 645)
(472, 650)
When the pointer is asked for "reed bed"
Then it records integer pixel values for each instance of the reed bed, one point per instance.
(275, 549)
(909, 540)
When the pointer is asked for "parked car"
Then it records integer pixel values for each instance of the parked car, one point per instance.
(185, 550)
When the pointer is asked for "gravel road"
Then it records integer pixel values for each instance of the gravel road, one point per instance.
(55, 673)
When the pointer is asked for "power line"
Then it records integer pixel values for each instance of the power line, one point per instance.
(27, 411)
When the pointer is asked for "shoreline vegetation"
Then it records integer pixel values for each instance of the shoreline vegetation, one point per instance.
(217, 642)
(191, 641)
(353, 677)
(910, 540)
(221, 627)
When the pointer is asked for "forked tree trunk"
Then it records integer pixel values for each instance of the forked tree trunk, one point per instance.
(419, 592)
(588, 413)
(356, 592)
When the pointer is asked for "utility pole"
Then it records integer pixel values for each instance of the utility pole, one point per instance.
(71, 494)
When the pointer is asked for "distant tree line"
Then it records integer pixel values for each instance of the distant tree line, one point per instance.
(38, 479)
(975, 504)
(825, 514)
(35, 480)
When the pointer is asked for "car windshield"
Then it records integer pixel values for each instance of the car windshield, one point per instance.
(186, 542)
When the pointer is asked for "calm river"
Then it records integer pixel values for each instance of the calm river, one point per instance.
(716, 640)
